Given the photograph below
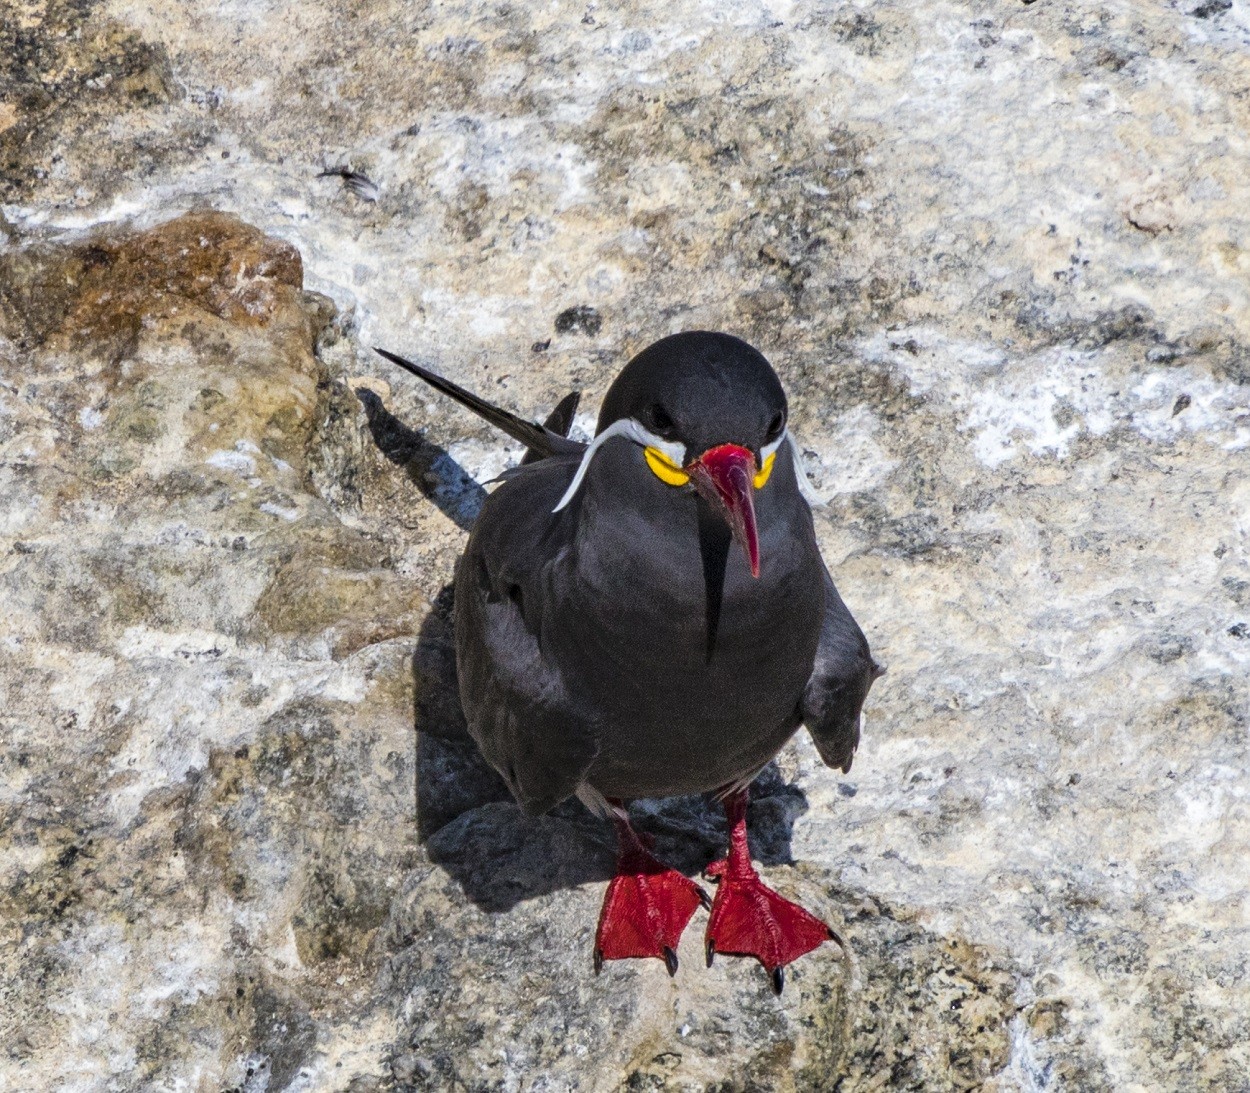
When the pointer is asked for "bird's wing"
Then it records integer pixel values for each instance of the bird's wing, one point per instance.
(527, 723)
(559, 421)
(843, 673)
(538, 439)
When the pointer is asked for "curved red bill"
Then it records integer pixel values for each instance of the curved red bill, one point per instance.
(724, 475)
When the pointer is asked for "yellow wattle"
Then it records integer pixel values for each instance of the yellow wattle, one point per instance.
(664, 468)
(761, 476)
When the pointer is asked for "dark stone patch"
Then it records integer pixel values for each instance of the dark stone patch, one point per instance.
(284, 1035)
(1236, 367)
(72, 67)
(1168, 647)
(579, 320)
(1211, 8)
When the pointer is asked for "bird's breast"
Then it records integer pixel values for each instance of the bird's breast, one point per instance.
(695, 667)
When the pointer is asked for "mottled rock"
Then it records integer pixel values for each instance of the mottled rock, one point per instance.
(505, 999)
(998, 253)
(204, 769)
(68, 69)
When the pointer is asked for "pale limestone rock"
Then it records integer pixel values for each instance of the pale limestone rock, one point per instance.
(1000, 254)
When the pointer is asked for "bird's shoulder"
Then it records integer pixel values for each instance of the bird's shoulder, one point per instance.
(517, 533)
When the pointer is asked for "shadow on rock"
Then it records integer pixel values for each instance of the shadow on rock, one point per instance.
(434, 472)
(465, 814)
(452, 776)
(500, 857)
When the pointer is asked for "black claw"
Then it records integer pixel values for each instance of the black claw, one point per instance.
(704, 898)
(670, 960)
(778, 977)
(711, 950)
(598, 961)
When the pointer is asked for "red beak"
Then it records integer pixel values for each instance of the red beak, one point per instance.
(724, 475)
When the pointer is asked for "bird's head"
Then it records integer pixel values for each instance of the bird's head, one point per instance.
(707, 414)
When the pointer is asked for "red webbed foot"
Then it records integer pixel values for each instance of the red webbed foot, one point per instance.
(647, 905)
(750, 919)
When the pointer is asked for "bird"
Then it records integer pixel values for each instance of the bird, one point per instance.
(647, 615)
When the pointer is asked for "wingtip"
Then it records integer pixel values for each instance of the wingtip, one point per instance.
(533, 436)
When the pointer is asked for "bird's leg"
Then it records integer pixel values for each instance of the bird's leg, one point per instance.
(750, 919)
(647, 904)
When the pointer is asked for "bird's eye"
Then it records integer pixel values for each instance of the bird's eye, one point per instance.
(661, 421)
(776, 425)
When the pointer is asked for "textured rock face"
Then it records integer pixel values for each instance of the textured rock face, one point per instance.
(203, 772)
(999, 254)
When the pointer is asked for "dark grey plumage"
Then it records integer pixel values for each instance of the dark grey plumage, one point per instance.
(621, 643)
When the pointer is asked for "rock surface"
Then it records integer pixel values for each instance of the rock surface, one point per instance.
(999, 254)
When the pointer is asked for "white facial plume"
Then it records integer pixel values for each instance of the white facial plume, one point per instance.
(635, 431)
(645, 438)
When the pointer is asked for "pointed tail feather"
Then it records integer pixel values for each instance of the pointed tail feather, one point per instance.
(540, 440)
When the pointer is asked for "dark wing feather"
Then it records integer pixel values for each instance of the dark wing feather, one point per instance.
(559, 421)
(843, 673)
(526, 722)
(537, 438)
